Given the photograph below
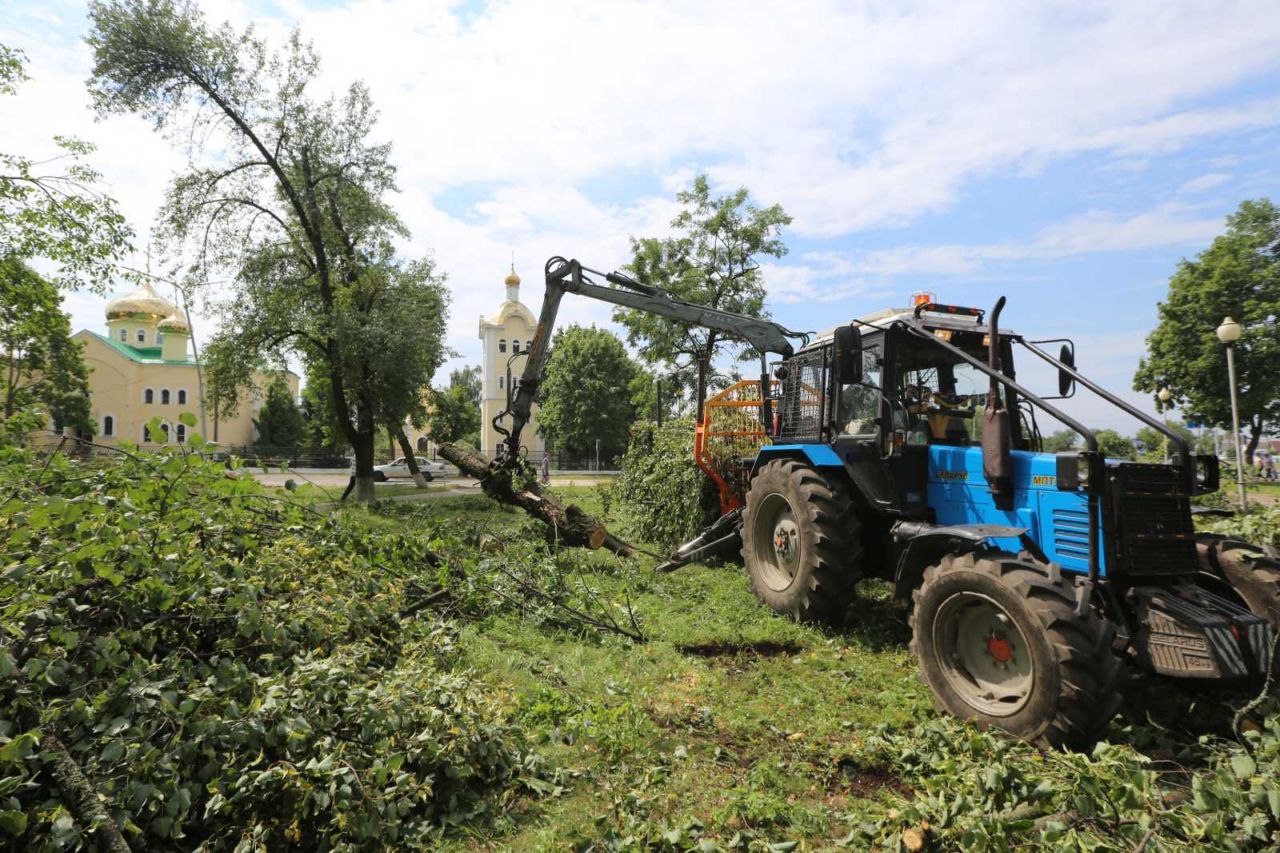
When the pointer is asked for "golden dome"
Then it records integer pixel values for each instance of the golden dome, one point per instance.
(143, 303)
(513, 280)
(174, 324)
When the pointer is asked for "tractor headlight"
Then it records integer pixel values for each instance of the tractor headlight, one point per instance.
(1208, 477)
(1077, 471)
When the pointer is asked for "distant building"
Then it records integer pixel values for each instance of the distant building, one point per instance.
(143, 368)
(507, 337)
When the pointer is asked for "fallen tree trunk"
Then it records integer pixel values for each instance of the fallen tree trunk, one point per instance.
(572, 526)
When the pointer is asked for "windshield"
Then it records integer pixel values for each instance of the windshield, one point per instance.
(942, 396)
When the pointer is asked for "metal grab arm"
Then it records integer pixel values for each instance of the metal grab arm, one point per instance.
(566, 276)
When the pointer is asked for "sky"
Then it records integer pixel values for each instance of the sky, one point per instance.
(1065, 155)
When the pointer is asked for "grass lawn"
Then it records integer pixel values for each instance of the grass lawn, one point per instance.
(728, 720)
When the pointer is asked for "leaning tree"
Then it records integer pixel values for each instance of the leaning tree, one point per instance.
(287, 194)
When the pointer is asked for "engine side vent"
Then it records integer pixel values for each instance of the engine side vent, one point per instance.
(1071, 532)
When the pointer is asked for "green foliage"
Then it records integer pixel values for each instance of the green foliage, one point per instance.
(586, 391)
(1237, 276)
(61, 217)
(1260, 526)
(279, 422)
(455, 416)
(1063, 439)
(226, 668)
(661, 492)
(979, 791)
(713, 259)
(41, 364)
(469, 379)
(1113, 445)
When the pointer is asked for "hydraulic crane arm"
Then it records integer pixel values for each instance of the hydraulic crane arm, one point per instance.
(567, 276)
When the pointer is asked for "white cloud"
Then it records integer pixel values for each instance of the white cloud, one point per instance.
(833, 276)
(851, 116)
(1205, 182)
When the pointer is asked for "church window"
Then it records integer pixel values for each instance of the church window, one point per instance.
(502, 381)
(146, 436)
(108, 426)
(502, 345)
(148, 396)
(142, 336)
(159, 338)
(515, 346)
(124, 335)
(164, 396)
(528, 345)
(164, 428)
(182, 433)
(182, 396)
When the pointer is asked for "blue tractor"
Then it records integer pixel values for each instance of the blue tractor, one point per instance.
(902, 446)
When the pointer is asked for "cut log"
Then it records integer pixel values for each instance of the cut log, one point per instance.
(570, 524)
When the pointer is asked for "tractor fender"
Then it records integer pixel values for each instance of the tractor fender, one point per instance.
(925, 544)
(814, 455)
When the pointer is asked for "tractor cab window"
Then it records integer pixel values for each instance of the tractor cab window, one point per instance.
(940, 396)
(860, 402)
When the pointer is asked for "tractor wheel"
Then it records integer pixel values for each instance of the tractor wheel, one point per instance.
(1253, 575)
(1001, 641)
(800, 542)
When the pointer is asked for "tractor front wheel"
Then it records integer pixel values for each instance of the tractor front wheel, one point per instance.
(1001, 641)
(800, 542)
(1247, 569)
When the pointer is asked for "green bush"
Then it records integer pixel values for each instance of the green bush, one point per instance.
(227, 669)
(662, 496)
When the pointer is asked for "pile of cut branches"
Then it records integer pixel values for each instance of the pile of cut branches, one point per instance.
(190, 660)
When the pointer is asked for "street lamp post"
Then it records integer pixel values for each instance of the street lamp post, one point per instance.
(1229, 333)
(1165, 395)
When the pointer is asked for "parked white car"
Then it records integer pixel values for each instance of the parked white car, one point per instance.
(400, 469)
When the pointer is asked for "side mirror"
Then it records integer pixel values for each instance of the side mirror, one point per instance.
(848, 355)
(1066, 384)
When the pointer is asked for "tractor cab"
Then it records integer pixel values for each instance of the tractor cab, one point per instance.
(883, 409)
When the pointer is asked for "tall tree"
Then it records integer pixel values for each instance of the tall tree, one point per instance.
(413, 298)
(292, 203)
(42, 366)
(52, 208)
(1063, 439)
(713, 258)
(468, 378)
(321, 431)
(586, 391)
(279, 422)
(1237, 276)
(455, 410)
(1114, 445)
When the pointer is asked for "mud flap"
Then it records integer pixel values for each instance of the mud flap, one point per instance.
(1188, 632)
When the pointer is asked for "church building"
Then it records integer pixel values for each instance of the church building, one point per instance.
(507, 337)
(143, 367)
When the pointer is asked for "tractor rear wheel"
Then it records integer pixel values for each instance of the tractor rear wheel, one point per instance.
(1001, 641)
(1247, 569)
(800, 542)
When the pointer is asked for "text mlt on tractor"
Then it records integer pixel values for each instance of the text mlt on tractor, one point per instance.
(901, 446)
